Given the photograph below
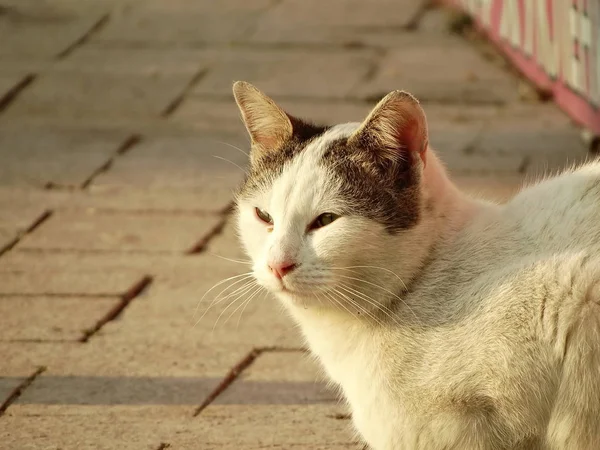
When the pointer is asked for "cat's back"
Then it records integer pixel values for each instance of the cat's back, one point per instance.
(560, 213)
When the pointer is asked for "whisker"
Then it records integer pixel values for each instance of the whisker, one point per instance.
(238, 298)
(244, 302)
(371, 301)
(230, 162)
(232, 146)
(239, 261)
(331, 296)
(359, 307)
(385, 290)
(247, 274)
(374, 267)
(218, 300)
(247, 303)
(247, 281)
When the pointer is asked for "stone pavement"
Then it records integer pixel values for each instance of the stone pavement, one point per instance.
(118, 138)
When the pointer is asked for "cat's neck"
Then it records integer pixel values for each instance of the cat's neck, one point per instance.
(452, 209)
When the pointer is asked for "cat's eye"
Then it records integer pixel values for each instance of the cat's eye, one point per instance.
(264, 216)
(323, 220)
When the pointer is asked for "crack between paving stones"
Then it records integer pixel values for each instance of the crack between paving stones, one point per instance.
(172, 107)
(125, 146)
(350, 46)
(229, 379)
(201, 245)
(98, 251)
(57, 295)
(18, 391)
(36, 223)
(8, 99)
(415, 21)
(100, 23)
(361, 101)
(149, 211)
(133, 292)
(39, 341)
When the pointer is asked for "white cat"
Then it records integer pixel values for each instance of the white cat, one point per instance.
(448, 323)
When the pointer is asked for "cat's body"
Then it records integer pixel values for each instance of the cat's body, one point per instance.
(455, 324)
(498, 309)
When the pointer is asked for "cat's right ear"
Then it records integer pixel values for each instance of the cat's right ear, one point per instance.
(268, 125)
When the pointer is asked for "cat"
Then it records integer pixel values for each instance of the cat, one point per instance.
(447, 322)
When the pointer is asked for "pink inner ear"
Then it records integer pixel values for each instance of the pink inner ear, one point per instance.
(413, 135)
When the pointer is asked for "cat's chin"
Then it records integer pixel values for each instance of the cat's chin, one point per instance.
(301, 299)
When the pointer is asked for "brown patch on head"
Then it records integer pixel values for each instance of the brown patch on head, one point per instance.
(389, 195)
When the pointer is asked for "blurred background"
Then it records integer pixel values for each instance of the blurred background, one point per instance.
(120, 146)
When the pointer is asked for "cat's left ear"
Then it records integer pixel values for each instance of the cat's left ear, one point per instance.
(396, 129)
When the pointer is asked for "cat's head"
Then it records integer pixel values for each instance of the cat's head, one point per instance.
(331, 216)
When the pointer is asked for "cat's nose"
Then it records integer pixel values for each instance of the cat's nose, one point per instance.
(282, 269)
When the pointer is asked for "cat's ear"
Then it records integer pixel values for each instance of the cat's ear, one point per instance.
(268, 125)
(396, 129)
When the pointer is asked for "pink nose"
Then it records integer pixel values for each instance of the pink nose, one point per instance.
(282, 269)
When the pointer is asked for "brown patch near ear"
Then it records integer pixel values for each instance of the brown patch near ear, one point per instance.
(266, 166)
(268, 125)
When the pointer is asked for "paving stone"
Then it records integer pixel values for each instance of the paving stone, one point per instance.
(211, 163)
(43, 31)
(137, 61)
(137, 200)
(480, 164)
(279, 378)
(274, 426)
(70, 274)
(290, 16)
(467, 76)
(158, 371)
(96, 430)
(211, 8)
(290, 73)
(541, 134)
(154, 370)
(42, 158)
(180, 300)
(345, 36)
(494, 188)
(120, 231)
(48, 319)
(147, 126)
(170, 27)
(79, 95)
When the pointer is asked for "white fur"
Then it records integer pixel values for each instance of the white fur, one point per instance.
(496, 347)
